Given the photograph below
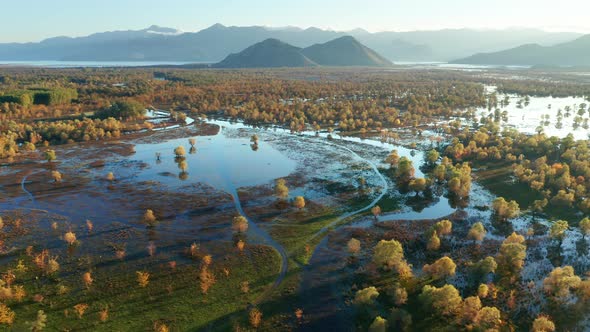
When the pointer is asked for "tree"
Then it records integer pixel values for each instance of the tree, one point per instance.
(477, 232)
(486, 266)
(444, 301)
(543, 324)
(505, 210)
(388, 254)
(442, 268)
(378, 325)
(254, 139)
(405, 170)
(400, 296)
(50, 155)
(433, 242)
(417, 185)
(299, 202)
(240, 224)
(192, 141)
(122, 109)
(443, 227)
(56, 176)
(376, 211)
(392, 159)
(432, 156)
(143, 278)
(539, 205)
(482, 291)
(354, 246)
(560, 283)
(511, 256)
(471, 307)
(70, 238)
(255, 317)
(149, 217)
(488, 319)
(585, 226)
(180, 152)
(366, 296)
(281, 189)
(6, 315)
(557, 230)
(40, 323)
(110, 177)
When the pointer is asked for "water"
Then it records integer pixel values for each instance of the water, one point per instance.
(217, 160)
(528, 118)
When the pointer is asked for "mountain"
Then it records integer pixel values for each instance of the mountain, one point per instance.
(574, 53)
(218, 41)
(268, 53)
(344, 51)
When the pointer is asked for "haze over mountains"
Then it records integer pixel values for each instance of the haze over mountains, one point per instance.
(217, 42)
(343, 51)
(573, 53)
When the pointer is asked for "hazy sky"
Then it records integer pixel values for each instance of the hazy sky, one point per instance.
(33, 20)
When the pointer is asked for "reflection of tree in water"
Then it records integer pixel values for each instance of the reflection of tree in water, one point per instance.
(192, 150)
(183, 166)
(254, 147)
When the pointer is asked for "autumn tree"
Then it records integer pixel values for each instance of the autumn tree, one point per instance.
(379, 325)
(443, 302)
(560, 283)
(240, 224)
(432, 156)
(180, 152)
(56, 176)
(405, 170)
(543, 324)
(418, 185)
(388, 254)
(477, 232)
(149, 218)
(442, 268)
(366, 296)
(504, 210)
(354, 246)
(376, 211)
(511, 256)
(585, 226)
(558, 230)
(433, 242)
(50, 155)
(281, 189)
(255, 317)
(299, 202)
(392, 159)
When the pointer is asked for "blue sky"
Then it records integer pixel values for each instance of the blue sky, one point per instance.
(33, 20)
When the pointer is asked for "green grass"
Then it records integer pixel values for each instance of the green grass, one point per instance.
(173, 296)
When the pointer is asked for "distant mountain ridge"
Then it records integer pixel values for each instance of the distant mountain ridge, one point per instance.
(218, 41)
(343, 51)
(573, 53)
(269, 53)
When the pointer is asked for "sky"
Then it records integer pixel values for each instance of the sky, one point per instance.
(34, 20)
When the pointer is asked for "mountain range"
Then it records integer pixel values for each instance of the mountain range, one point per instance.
(218, 41)
(573, 53)
(343, 51)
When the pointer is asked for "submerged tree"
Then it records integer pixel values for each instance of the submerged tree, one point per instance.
(240, 224)
(477, 232)
(299, 202)
(505, 210)
(281, 189)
